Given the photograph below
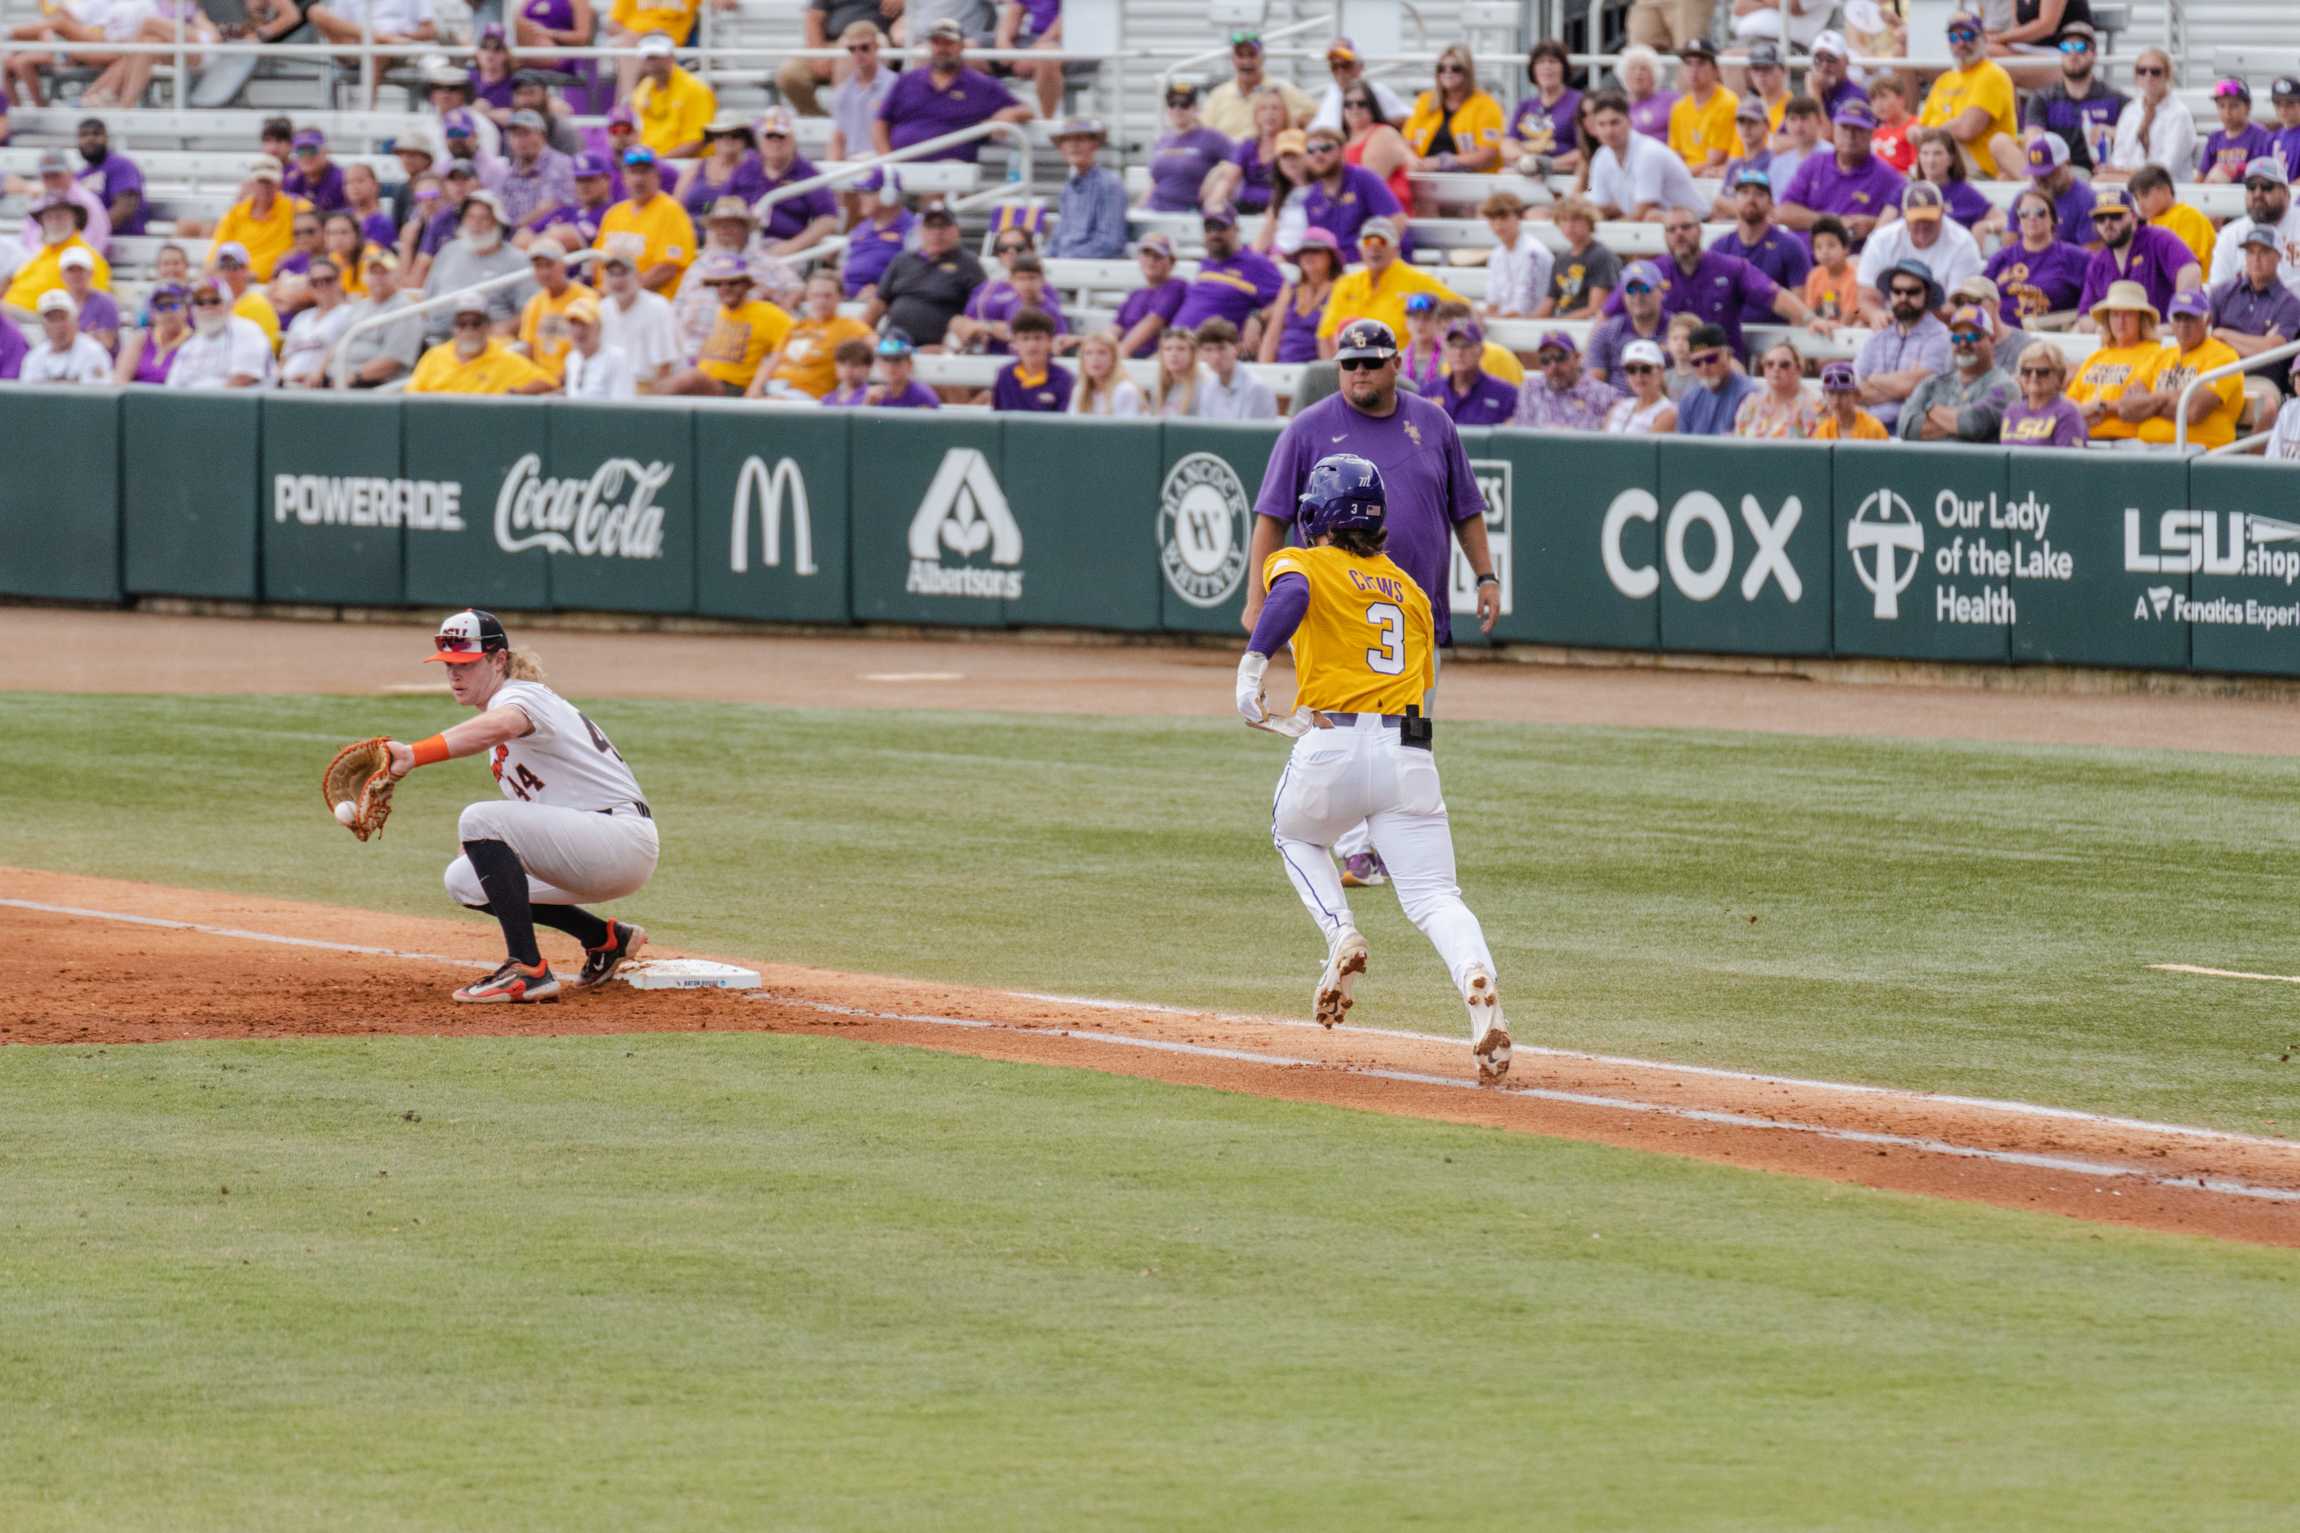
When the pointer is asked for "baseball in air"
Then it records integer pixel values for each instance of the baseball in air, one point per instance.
(345, 812)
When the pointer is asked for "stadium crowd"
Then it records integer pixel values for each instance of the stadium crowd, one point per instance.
(669, 247)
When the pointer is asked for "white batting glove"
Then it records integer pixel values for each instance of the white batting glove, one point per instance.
(1251, 702)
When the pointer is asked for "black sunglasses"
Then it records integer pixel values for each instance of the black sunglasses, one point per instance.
(1709, 359)
(2147, 71)
(207, 303)
(1640, 367)
(469, 322)
(1013, 249)
(166, 305)
(1362, 364)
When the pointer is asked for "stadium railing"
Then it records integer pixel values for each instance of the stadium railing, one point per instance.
(2236, 369)
(432, 305)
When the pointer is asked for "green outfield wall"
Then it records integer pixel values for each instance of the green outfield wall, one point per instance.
(961, 519)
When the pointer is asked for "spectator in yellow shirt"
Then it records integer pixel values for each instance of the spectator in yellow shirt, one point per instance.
(744, 333)
(1378, 289)
(628, 21)
(2152, 400)
(807, 361)
(649, 227)
(473, 361)
(543, 323)
(249, 302)
(1842, 418)
(1974, 102)
(60, 224)
(673, 106)
(2129, 354)
(1455, 126)
(2151, 188)
(1702, 130)
(262, 222)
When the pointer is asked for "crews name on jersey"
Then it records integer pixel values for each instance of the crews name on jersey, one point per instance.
(1378, 585)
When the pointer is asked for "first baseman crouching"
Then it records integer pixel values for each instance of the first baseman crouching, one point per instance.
(571, 828)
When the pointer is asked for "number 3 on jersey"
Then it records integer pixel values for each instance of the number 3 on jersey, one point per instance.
(1389, 656)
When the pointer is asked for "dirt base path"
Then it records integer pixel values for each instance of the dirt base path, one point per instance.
(202, 965)
(47, 649)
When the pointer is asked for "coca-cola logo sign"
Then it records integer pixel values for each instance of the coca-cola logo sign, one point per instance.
(610, 515)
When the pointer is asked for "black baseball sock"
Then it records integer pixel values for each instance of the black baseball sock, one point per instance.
(505, 881)
(575, 921)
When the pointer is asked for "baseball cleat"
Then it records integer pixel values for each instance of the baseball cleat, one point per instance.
(1343, 966)
(600, 963)
(514, 984)
(1489, 1034)
(1363, 870)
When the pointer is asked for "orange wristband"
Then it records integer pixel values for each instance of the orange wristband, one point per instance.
(429, 751)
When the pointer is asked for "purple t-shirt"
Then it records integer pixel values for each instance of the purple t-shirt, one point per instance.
(2231, 154)
(2035, 282)
(1777, 253)
(1038, 15)
(1836, 96)
(2238, 305)
(918, 109)
(494, 93)
(871, 249)
(1489, 402)
(294, 264)
(114, 178)
(1254, 184)
(1717, 291)
(378, 229)
(1965, 202)
(1343, 213)
(1235, 290)
(1049, 396)
(996, 303)
(98, 312)
(438, 232)
(2057, 425)
(585, 219)
(2154, 259)
(1178, 166)
(1866, 191)
(748, 181)
(1298, 333)
(1651, 116)
(847, 399)
(324, 191)
(2072, 213)
(1430, 483)
(152, 363)
(914, 396)
(13, 348)
(2288, 145)
(1164, 300)
(1539, 127)
(787, 217)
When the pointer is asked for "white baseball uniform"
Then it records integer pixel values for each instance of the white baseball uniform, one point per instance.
(570, 808)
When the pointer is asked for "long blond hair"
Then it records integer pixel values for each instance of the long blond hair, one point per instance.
(522, 665)
(1183, 391)
(1091, 398)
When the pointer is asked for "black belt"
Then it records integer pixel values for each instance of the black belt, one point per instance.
(639, 804)
(1413, 730)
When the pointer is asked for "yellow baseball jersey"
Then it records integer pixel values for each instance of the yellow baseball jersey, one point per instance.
(1367, 643)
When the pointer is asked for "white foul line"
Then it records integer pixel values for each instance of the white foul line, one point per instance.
(1697, 1115)
(2191, 968)
(1580, 1099)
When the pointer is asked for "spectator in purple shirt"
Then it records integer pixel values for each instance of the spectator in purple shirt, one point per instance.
(944, 97)
(312, 176)
(1032, 382)
(2037, 272)
(2077, 106)
(988, 323)
(535, 175)
(1469, 394)
(1852, 185)
(99, 315)
(1340, 196)
(895, 388)
(799, 221)
(852, 364)
(491, 77)
(1185, 154)
(2252, 311)
(2070, 194)
(2135, 252)
(1234, 282)
(1761, 242)
(2238, 141)
(1546, 124)
(13, 348)
(2043, 416)
(2287, 91)
(728, 167)
(1714, 288)
(594, 195)
(1559, 396)
(1649, 104)
(363, 200)
(879, 235)
(114, 178)
(1150, 308)
(1829, 79)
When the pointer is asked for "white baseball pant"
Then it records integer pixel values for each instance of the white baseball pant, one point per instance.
(572, 856)
(1360, 837)
(1336, 778)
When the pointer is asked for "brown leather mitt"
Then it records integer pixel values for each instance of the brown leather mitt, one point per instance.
(360, 775)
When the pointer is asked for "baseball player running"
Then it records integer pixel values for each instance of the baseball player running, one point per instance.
(1364, 661)
(571, 828)
(1433, 499)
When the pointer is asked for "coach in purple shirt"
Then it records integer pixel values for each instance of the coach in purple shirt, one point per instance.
(1852, 184)
(943, 98)
(1761, 242)
(2131, 251)
(1433, 493)
(1233, 282)
(1341, 196)
(1715, 289)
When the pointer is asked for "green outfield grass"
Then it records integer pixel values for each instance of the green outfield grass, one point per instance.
(764, 1282)
(1952, 917)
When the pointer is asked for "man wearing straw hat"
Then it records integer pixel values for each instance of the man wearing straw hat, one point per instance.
(2128, 353)
(2151, 402)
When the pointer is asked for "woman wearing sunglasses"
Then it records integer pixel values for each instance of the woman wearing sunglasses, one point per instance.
(1547, 122)
(2155, 129)
(1648, 410)
(146, 355)
(1185, 155)
(2042, 416)
(1785, 408)
(1455, 126)
(2039, 273)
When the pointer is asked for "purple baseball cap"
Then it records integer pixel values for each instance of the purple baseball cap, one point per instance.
(1157, 244)
(1642, 271)
(622, 116)
(588, 165)
(1220, 216)
(1856, 114)
(459, 124)
(2192, 303)
(1468, 330)
(882, 180)
(1838, 378)
(1556, 340)
(725, 266)
(2047, 152)
(311, 138)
